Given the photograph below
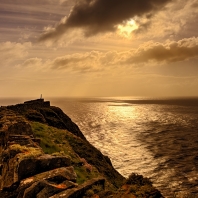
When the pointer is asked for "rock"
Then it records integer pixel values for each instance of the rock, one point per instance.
(34, 189)
(44, 189)
(52, 189)
(23, 140)
(33, 166)
(20, 128)
(81, 189)
(94, 157)
(105, 194)
(3, 139)
(11, 159)
(69, 125)
(41, 111)
(48, 182)
(57, 175)
(34, 115)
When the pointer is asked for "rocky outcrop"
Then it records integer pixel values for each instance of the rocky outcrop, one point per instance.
(44, 184)
(32, 166)
(68, 124)
(80, 191)
(48, 183)
(93, 156)
(41, 111)
(32, 104)
(25, 170)
(77, 169)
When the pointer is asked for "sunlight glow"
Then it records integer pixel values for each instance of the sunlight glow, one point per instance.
(126, 29)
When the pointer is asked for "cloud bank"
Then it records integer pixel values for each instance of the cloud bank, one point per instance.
(151, 53)
(169, 52)
(156, 53)
(98, 16)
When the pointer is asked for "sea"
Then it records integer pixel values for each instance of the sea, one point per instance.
(155, 137)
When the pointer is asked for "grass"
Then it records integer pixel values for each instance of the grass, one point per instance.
(83, 175)
(49, 137)
(24, 152)
(54, 141)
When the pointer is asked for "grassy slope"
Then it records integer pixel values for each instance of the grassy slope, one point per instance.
(53, 141)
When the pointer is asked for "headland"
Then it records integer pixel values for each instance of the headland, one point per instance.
(44, 154)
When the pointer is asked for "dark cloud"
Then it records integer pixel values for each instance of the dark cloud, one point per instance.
(142, 27)
(98, 16)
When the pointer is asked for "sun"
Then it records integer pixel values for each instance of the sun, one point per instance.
(126, 29)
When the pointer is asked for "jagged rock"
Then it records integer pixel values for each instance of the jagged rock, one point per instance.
(81, 189)
(41, 111)
(8, 174)
(59, 179)
(34, 189)
(44, 189)
(21, 140)
(33, 166)
(52, 118)
(52, 189)
(20, 128)
(69, 125)
(94, 157)
(19, 164)
(11, 159)
(34, 115)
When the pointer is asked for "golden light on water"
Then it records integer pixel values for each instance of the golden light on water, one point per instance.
(123, 110)
(126, 29)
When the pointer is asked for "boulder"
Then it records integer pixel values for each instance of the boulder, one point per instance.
(45, 189)
(33, 166)
(81, 189)
(49, 182)
(51, 189)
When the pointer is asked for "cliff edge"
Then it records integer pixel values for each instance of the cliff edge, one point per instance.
(44, 154)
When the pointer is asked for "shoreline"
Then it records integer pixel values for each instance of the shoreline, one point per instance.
(31, 122)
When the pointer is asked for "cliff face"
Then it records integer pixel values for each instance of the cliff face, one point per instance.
(44, 154)
(41, 111)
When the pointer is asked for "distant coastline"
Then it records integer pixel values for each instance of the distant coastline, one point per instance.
(183, 101)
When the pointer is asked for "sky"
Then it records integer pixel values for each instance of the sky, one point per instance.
(87, 48)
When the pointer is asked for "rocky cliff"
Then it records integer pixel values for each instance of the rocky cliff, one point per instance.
(44, 154)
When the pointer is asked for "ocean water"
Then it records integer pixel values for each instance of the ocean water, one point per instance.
(157, 138)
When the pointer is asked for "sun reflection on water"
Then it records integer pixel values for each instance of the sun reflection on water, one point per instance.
(124, 146)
